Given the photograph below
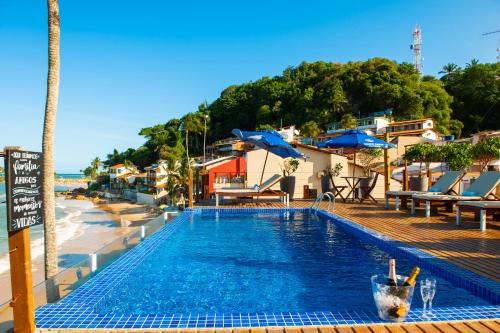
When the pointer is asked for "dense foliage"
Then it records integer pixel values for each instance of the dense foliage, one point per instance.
(476, 95)
(312, 95)
(323, 92)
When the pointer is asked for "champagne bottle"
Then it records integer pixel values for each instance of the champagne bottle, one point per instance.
(392, 278)
(410, 281)
(398, 311)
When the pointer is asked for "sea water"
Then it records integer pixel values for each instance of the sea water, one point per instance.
(68, 222)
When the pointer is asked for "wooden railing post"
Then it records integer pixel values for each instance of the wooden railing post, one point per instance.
(406, 178)
(23, 303)
(387, 167)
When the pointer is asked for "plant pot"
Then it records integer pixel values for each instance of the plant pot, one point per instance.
(325, 184)
(287, 185)
(364, 184)
(419, 183)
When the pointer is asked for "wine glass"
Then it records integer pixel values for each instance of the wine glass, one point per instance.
(431, 283)
(427, 291)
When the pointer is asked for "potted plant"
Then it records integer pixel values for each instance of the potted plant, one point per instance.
(368, 159)
(287, 184)
(423, 153)
(458, 156)
(327, 174)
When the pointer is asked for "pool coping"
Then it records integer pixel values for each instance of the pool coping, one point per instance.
(77, 310)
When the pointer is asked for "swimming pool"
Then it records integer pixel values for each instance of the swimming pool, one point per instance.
(248, 267)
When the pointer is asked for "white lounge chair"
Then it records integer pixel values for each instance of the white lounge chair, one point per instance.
(481, 189)
(264, 190)
(444, 185)
(483, 207)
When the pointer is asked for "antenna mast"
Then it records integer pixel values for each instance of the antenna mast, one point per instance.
(417, 49)
(498, 49)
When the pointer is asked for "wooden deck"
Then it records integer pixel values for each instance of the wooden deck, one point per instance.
(485, 326)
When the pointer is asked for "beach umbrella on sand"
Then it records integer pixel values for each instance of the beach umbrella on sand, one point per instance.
(269, 140)
(356, 140)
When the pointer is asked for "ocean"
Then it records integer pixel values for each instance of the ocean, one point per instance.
(68, 223)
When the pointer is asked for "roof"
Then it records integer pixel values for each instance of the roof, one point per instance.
(116, 166)
(126, 175)
(395, 123)
(408, 132)
(321, 150)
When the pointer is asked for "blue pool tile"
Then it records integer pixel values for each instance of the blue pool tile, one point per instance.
(78, 309)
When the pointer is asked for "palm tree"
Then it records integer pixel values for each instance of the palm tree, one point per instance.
(48, 140)
(448, 70)
(191, 123)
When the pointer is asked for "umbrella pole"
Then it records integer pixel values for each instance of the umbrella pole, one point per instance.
(264, 168)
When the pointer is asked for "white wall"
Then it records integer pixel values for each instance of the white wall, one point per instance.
(307, 173)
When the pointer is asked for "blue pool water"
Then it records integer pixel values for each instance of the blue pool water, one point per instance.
(272, 262)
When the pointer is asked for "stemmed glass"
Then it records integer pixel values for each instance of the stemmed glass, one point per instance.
(427, 290)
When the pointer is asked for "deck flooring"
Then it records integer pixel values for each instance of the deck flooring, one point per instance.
(483, 326)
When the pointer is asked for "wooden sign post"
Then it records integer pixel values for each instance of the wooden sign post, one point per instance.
(23, 176)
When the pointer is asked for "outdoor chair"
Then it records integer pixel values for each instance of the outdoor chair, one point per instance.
(264, 190)
(481, 189)
(444, 185)
(366, 191)
(337, 190)
(481, 208)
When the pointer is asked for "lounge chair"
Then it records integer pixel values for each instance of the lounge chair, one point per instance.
(481, 189)
(264, 190)
(444, 185)
(481, 207)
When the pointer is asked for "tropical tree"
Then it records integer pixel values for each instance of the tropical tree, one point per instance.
(348, 121)
(191, 123)
(310, 129)
(458, 156)
(448, 70)
(48, 183)
(485, 151)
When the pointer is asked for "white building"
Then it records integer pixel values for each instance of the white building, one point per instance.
(120, 173)
(371, 125)
(157, 176)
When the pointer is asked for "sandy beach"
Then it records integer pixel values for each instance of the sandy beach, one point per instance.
(90, 227)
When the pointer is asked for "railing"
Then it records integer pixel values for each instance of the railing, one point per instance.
(317, 202)
(51, 291)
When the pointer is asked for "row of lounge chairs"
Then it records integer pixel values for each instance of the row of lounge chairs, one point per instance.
(480, 197)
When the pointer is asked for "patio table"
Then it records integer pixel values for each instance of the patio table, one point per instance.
(353, 182)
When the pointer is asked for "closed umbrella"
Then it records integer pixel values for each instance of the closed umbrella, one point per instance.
(269, 140)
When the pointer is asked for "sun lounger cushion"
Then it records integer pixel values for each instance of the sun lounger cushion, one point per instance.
(480, 204)
(434, 197)
(406, 193)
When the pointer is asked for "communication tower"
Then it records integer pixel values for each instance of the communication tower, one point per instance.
(417, 48)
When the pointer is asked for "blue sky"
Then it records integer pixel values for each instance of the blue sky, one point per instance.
(131, 64)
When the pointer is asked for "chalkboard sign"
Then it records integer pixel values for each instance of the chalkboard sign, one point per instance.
(23, 176)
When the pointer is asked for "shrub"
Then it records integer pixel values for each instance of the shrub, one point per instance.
(458, 156)
(290, 165)
(485, 151)
(367, 157)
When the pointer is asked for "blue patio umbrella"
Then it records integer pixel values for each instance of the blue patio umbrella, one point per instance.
(269, 140)
(355, 139)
